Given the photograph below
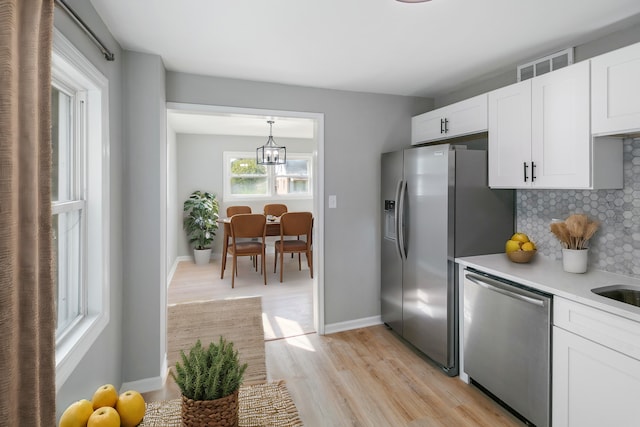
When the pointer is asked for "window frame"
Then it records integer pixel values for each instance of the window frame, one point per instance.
(72, 71)
(271, 178)
(75, 200)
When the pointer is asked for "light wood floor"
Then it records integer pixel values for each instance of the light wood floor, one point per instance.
(364, 377)
(287, 307)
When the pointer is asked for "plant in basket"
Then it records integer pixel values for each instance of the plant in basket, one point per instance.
(209, 379)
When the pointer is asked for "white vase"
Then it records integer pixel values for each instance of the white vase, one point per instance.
(575, 260)
(202, 256)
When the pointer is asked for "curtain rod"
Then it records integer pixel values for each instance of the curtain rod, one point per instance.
(108, 55)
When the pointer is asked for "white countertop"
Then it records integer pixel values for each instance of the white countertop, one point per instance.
(548, 276)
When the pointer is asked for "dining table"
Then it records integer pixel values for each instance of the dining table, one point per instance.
(273, 229)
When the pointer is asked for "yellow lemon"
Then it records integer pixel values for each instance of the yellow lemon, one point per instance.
(529, 246)
(105, 395)
(104, 417)
(131, 408)
(512, 246)
(520, 237)
(77, 414)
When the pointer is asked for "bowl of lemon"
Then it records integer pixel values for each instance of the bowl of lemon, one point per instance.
(520, 249)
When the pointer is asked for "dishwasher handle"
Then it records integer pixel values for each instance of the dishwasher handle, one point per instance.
(485, 283)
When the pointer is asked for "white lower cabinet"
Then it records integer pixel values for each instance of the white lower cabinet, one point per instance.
(594, 384)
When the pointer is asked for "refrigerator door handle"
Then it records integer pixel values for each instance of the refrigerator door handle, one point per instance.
(402, 190)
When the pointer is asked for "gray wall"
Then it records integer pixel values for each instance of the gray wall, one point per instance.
(102, 364)
(144, 212)
(200, 167)
(358, 127)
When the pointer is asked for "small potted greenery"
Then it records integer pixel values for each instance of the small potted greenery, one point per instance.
(209, 379)
(201, 222)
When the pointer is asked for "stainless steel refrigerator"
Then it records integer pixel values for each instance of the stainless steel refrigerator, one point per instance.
(436, 206)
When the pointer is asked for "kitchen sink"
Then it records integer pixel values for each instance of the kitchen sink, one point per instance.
(629, 294)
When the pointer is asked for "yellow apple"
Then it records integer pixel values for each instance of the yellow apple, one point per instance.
(104, 417)
(77, 414)
(131, 408)
(512, 246)
(105, 395)
(520, 237)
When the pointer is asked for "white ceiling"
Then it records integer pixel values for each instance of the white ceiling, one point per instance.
(379, 46)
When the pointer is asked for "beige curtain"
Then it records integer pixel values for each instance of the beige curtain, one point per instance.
(27, 342)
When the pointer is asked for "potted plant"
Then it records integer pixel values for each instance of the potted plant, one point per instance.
(201, 222)
(574, 234)
(209, 380)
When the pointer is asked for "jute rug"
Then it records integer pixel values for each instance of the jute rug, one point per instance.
(260, 405)
(238, 320)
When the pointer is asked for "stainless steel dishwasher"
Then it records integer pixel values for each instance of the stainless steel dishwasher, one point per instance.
(507, 343)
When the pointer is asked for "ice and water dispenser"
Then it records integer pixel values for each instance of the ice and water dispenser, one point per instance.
(390, 219)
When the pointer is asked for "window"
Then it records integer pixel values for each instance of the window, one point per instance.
(79, 191)
(68, 203)
(245, 179)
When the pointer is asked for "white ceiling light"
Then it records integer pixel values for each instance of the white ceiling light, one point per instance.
(413, 1)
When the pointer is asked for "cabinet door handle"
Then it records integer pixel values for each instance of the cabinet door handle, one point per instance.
(446, 125)
(525, 171)
(441, 125)
(533, 171)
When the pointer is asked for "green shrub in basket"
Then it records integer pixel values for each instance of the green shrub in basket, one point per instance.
(209, 373)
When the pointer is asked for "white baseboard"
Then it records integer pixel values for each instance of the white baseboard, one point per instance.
(145, 385)
(149, 384)
(352, 324)
(172, 272)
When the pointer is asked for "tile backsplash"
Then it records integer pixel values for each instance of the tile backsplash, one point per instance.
(616, 245)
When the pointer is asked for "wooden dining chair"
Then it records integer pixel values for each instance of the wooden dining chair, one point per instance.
(299, 224)
(275, 209)
(243, 227)
(231, 211)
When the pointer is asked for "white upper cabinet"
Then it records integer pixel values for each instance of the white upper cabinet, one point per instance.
(615, 86)
(560, 131)
(462, 118)
(510, 136)
(539, 135)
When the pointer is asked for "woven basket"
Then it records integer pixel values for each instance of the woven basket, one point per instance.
(221, 412)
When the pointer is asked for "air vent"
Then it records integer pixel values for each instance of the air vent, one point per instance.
(545, 64)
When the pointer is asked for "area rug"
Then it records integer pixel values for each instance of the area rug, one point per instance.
(237, 319)
(260, 405)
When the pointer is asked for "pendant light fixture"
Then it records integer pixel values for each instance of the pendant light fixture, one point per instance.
(271, 153)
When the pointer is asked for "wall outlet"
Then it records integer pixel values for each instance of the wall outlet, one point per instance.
(333, 202)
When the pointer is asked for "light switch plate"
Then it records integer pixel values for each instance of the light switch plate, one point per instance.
(333, 202)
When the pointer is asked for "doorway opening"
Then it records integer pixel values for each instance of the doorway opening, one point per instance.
(197, 137)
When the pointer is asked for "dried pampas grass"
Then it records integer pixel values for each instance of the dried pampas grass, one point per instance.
(575, 231)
